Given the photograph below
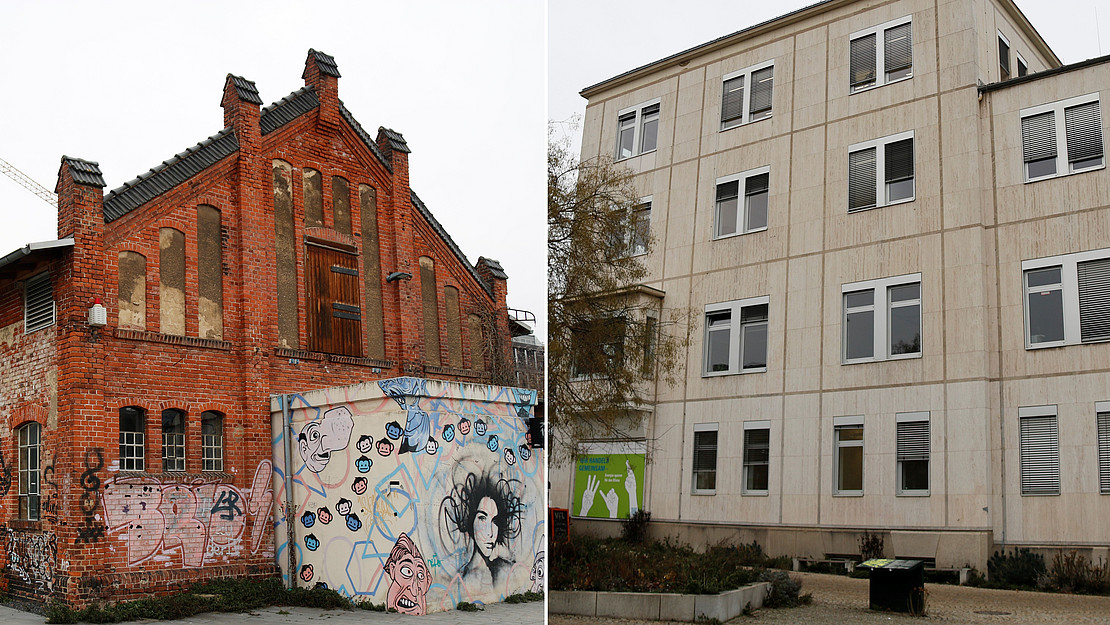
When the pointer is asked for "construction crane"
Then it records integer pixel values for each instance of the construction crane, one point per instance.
(42, 192)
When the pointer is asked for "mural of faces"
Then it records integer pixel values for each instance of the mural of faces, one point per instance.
(324, 515)
(432, 447)
(318, 439)
(363, 464)
(393, 430)
(537, 573)
(359, 485)
(343, 507)
(464, 426)
(510, 457)
(384, 448)
(525, 452)
(306, 572)
(409, 578)
(492, 443)
(480, 427)
(312, 542)
(485, 529)
(448, 433)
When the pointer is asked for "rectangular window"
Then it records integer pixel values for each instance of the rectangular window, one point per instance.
(132, 439)
(705, 458)
(1102, 424)
(881, 54)
(639, 235)
(598, 346)
(638, 129)
(746, 95)
(1062, 137)
(1023, 67)
(212, 441)
(848, 456)
(736, 215)
(173, 440)
(881, 172)
(912, 443)
(1003, 57)
(757, 456)
(30, 437)
(38, 303)
(736, 336)
(1040, 451)
(1067, 299)
(893, 334)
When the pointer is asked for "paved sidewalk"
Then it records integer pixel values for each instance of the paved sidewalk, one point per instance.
(495, 614)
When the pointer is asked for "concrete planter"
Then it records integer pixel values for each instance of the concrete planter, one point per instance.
(657, 606)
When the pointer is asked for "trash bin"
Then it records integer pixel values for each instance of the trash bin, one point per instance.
(897, 585)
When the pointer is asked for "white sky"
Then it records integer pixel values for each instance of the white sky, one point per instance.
(130, 84)
(620, 36)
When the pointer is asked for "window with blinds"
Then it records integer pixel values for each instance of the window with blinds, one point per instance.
(1102, 422)
(881, 172)
(1050, 149)
(705, 458)
(1040, 451)
(881, 54)
(912, 452)
(734, 217)
(38, 303)
(747, 95)
(757, 456)
(1067, 299)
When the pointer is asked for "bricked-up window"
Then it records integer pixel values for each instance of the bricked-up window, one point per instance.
(38, 303)
(210, 284)
(341, 204)
(132, 439)
(132, 290)
(477, 343)
(430, 299)
(30, 437)
(334, 315)
(454, 326)
(171, 271)
(285, 247)
(372, 271)
(313, 199)
(173, 440)
(212, 440)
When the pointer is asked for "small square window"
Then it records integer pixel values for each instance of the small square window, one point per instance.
(881, 172)
(736, 215)
(747, 94)
(736, 336)
(638, 129)
(881, 54)
(896, 333)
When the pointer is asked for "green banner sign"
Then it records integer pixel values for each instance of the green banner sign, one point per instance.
(608, 486)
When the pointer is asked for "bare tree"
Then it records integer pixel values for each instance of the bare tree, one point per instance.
(609, 340)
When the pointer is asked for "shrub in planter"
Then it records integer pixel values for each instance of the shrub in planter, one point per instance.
(1021, 568)
(783, 591)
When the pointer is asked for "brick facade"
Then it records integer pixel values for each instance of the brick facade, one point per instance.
(106, 533)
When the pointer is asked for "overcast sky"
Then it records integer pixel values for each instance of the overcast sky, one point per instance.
(619, 36)
(130, 84)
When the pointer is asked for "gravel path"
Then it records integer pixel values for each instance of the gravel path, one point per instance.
(839, 600)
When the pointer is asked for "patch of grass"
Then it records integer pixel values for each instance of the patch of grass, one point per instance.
(370, 605)
(284, 612)
(222, 595)
(524, 597)
(466, 606)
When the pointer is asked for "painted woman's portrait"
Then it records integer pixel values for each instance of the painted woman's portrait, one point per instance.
(484, 513)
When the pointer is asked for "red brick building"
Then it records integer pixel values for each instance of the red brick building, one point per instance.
(286, 252)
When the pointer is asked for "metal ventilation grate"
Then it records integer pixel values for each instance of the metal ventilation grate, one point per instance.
(38, 303)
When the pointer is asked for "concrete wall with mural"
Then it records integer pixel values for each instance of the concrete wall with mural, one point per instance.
(413, 492)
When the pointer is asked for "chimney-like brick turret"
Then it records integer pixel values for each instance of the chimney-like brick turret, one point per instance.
(322, 74)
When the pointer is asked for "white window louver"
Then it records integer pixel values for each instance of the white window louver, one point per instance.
(1038, 137)
(1083, 125)
(862, 61)
(913, 441)
(762, 90)
(1040, 456)
(38, 303)
(1094, 300)
(861, 179)
(898, 48)
(1103, 420)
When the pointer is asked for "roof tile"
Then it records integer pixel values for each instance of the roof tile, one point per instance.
(325, 62)
(84, 172)
(245, 89)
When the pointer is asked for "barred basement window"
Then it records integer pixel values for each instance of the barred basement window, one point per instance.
(132, 439)
(1040, 451)
(705, 458)
(173, 440)
(212, 441)
(913, 453)
(30, 436)
(38, 303)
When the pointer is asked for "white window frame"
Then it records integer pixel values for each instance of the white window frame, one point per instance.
(741, 202)
(28, 465)
(1102, 430)
(1021, 63)
(880, 169)
(638, 128)
(1009, 49)
(882, 304)
(745, 117)
(755, 425)
(880, 53)
(1063, 166)
(849, 422)
(913, 417)
(212, 445)
(1069, 279)
(704, 427)
(643, 205)
(1032, 412)
(735, 344)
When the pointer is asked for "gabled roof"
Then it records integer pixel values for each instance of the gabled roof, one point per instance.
(418, 204)
(362, 134)
(169, 174)
(288, 108)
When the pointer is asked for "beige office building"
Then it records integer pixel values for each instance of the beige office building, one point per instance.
(892, 222)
